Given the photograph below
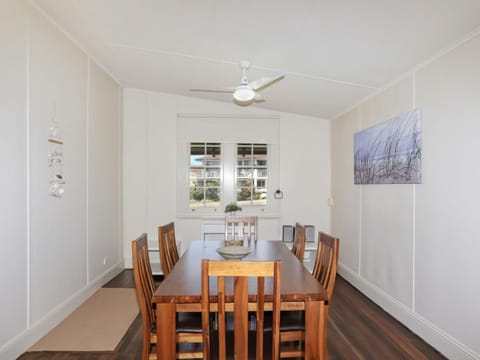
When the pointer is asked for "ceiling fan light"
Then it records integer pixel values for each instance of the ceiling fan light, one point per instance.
(244, 97)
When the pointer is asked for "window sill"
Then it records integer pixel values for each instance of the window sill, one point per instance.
(212, 216)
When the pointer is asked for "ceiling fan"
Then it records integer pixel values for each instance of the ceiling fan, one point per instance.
(247, 92)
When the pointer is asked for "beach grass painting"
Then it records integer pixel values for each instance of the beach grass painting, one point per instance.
(390, 152)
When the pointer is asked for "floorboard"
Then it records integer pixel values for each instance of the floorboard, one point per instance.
(357, 329)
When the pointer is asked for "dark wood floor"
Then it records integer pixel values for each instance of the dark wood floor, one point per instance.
(357, 329)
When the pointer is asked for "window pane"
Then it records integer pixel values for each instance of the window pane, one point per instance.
(213, 162)
(244, 149)
(242, 172)
(243, 183)
(197, 148)
(196, 172)
(213, 197)
(259, 149)
(213, 183)
(261, 173)
(196, 196)
(212, 172)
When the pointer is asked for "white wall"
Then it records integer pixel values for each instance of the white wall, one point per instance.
(150, 177)
(414, 249)
(53, 249)
(14, 172)
(104, 169)
(58, 84)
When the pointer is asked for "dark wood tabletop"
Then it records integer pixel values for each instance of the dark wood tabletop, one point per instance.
(183, 284)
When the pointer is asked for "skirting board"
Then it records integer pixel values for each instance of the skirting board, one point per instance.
(444, 343)
(127, 262)
(24, 340)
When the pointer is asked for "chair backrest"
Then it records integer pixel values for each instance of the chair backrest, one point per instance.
(241, 228)
(325, 268)
(241, 271)
(168, 247)
(144, 287)
(298, 247)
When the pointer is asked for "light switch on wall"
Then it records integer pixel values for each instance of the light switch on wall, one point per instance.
(278, 194)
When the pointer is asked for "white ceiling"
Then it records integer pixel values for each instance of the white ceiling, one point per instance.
(334, 52)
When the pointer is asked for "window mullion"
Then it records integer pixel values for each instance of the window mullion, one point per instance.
(229, 173)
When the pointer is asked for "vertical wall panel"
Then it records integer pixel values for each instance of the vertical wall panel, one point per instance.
(58, 85)
(305, 171)
(386, 211)
(345, 194)
(134, 157)
(448, 218)
(161, 160)
(103, 172)
(13, 179)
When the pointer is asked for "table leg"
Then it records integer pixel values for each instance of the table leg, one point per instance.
(316, 313)
(166, 331)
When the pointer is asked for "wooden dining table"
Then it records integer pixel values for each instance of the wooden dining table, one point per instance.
(181, 292)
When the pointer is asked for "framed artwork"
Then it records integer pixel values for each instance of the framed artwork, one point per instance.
(390, 152)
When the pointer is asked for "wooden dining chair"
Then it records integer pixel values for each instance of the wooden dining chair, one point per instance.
(298, 247)
(292, 324)
(326, 262)
(144, 287)
(241, 271)
(168, 247)
(241, 228)
(189, 327)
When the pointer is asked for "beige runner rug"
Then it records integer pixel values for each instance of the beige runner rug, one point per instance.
(97, 325)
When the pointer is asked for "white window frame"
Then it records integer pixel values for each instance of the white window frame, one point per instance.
(231, 130)
(252, 166)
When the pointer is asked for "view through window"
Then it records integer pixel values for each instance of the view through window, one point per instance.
(205, 174)
(252, 174)
(245, 183)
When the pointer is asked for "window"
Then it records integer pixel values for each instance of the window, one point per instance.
(205, 174)
(252, 174)
(242, 167)
(220, 173)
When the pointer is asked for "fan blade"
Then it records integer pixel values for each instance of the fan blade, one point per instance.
(258, 97)
(220, 90)
(264, 82)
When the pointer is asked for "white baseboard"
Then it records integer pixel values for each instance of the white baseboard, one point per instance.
(127, 262)
(440, 340)
(24, 340)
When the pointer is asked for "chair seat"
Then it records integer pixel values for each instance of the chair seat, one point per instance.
(289, 321)
(189, 322)
(186, 323)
